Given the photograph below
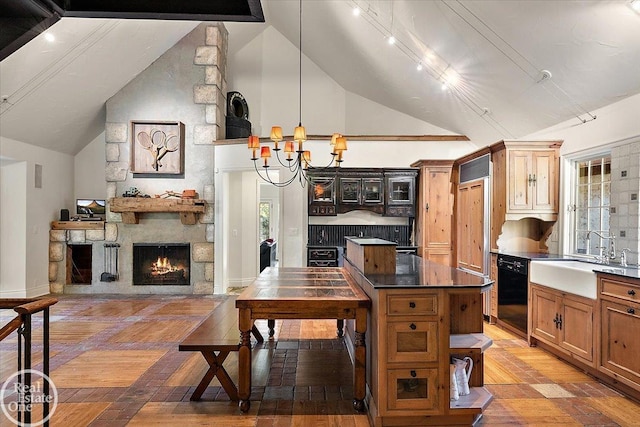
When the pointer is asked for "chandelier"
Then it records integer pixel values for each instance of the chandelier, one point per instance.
(295, 158)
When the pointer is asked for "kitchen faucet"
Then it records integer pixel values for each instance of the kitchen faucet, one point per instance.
(605, 257)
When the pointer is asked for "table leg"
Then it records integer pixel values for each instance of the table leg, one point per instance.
(245, 323)
(340, 328)
(360, 360)
(271, 323)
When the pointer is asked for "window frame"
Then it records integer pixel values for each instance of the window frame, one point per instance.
(571, 212)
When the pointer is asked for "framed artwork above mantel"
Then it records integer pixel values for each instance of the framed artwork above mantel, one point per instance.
(157, 148)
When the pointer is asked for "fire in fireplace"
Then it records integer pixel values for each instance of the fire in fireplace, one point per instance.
(161, 263)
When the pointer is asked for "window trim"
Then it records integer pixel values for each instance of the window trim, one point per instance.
(569, 218)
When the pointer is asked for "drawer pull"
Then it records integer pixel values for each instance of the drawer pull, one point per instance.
(631, 311)
(414, 374)
(631, 292)
(413, 326)
(412, 304)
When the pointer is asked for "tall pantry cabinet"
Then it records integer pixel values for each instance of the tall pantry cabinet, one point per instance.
(434, 210)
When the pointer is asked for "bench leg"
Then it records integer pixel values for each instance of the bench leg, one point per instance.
(256, 333)
(216, 370)
(271, 323)
(340, 328)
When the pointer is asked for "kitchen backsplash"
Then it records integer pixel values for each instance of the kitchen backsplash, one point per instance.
(333, 235)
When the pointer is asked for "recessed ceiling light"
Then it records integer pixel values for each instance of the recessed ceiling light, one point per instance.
(49, 37)
(635, 5)
(356, 11)
(391, 40)
(419, 67)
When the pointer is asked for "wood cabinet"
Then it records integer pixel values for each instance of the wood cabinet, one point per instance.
(470, 225)
(412, 334)
(434, 210)
(493, 300)
(525, 181)
(389, 192)
(620, 329)
(563, 320)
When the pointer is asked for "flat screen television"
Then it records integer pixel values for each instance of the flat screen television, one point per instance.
(90, 207)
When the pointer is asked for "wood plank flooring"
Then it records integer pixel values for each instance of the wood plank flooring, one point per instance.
(115, 362)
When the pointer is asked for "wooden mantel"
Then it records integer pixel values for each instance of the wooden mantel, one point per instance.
(131, 207)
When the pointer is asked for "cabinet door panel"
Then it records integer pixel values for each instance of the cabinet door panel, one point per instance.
(620, 343)
(412, 341)
(545, 188)
(520, 172)
(577, 328)
(413, 389)
(544, 309)
(471, 226)
(439, 209)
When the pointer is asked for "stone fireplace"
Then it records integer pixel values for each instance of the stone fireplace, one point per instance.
(186, 84)
(161, 264)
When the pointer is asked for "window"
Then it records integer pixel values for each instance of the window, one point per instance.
(591, 202)
(265, 220)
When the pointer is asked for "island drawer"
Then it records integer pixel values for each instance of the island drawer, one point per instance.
(413, 389)
(622, 290)
(402, 305)
(412, 341)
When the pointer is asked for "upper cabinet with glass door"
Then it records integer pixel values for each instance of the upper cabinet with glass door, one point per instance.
(322, 195)
(360, 189)
(401, 192)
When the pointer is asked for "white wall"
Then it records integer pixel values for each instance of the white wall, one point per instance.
(13, 225)
(42, 206)
(614, 123)
(89, 180)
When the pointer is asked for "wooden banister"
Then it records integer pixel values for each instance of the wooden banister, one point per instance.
(35, 306)
(10, 327)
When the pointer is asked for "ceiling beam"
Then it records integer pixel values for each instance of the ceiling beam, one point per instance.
(350, 138)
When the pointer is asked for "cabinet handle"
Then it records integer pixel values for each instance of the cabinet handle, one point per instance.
(631, 311)
(412, 304)
(530, 180)
(414, 374)
(631, 292)
(412, 326)
(560, 323)
(535, 179)
(426, 208)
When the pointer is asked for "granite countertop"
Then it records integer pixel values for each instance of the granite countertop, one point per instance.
(413, 271)
(631, 271)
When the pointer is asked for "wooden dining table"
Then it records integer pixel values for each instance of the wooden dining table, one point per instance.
(302, 293)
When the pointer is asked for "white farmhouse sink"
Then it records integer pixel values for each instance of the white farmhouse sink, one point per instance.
(573, 277)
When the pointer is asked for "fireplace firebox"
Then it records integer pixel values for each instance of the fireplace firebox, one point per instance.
(161, 263)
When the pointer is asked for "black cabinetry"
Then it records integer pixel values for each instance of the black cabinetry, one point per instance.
(322, 256)
(389, 192)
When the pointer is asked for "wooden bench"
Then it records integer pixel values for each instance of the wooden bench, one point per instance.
(215, 338)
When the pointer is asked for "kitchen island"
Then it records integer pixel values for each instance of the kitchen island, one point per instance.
(422, 314)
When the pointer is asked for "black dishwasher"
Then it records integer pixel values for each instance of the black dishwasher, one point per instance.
(513, 284)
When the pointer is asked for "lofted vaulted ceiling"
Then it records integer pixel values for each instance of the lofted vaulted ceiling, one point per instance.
(522, 65)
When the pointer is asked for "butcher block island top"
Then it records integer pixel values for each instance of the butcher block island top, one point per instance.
(423, 315)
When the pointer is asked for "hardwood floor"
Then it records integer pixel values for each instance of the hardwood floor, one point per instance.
(115, 362)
